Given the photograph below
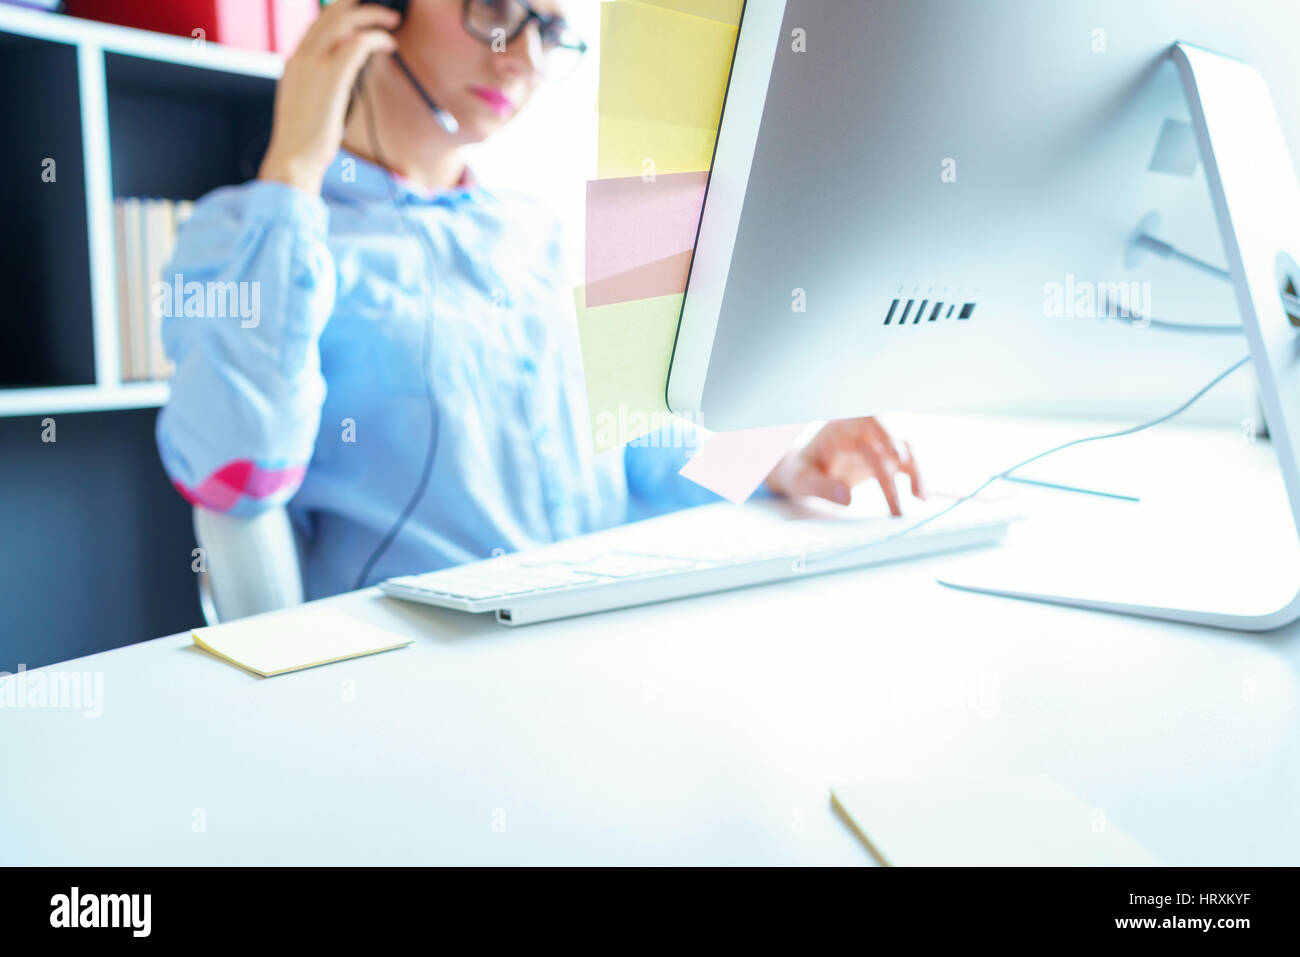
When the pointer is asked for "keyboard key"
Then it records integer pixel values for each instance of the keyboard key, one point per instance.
(628, 565)
(492, 580)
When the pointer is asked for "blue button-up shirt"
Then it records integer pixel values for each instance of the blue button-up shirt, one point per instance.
(304, 382)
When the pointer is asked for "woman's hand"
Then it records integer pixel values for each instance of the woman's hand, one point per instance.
(311, 98)
(840, 456)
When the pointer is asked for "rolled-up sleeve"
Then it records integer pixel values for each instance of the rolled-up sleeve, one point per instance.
(253, 284)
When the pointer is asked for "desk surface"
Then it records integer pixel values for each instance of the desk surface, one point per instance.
(707, 730)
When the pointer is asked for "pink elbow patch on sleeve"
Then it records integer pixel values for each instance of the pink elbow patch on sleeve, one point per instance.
(223, 489)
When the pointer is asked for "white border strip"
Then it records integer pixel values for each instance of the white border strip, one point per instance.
(751, 73)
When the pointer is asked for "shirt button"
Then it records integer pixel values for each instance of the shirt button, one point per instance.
(528, 365)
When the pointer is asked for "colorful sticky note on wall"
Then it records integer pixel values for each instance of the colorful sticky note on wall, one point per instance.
(663, 277)
(725, 11)
(634, 147)
(664, 67)
(640, 235)
(626, 351)
(663, 77)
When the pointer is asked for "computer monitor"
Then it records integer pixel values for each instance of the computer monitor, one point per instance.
(930, 204)
(927, 204)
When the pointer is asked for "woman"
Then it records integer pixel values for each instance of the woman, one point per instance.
(405, 308)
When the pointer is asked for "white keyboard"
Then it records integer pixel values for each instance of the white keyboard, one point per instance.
(691, 552)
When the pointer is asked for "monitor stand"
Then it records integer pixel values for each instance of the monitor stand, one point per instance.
(1257, 203)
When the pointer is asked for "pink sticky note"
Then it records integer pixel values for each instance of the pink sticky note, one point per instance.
(632, 222)
(734, 464)
(663, 277)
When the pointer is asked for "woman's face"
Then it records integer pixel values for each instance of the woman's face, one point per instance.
(482, 87)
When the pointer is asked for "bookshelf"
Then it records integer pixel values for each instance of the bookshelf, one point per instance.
(122, 113)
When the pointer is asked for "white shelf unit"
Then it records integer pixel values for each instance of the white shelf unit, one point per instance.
(117, 72)
(51, 400)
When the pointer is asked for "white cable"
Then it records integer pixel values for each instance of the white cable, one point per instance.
(850, 549)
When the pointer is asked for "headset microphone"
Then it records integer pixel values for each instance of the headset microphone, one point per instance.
(445, 119)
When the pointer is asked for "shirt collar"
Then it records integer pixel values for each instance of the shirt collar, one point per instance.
(351, 177)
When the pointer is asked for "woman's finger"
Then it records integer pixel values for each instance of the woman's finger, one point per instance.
(887, 485)
(358, 47)
(884, 468)
(902, 456)
(311, 41)
(346, 23)
(907, 465)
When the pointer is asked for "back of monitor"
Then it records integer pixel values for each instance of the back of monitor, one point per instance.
(928, 205)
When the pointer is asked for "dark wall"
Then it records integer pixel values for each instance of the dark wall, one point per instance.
(94, 541)
(45, 329)
(179, 132)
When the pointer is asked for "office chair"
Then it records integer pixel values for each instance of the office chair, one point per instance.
(251, 564)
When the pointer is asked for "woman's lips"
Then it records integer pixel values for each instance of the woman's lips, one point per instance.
(497, 101)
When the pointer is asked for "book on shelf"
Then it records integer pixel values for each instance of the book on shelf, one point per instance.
(145, 235)
(272, 25)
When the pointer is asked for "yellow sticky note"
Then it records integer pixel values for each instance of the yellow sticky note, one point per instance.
(662, 66)
(724, 11)
(1022, 821)
(294, 639)
(626, 351)
(631, 147)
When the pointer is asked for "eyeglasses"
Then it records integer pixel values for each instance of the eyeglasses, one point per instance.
(499, 22)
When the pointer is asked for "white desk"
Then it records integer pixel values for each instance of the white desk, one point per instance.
(702, 731)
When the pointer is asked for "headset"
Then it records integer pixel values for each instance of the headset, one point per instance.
(445, 119)
(448, 123)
